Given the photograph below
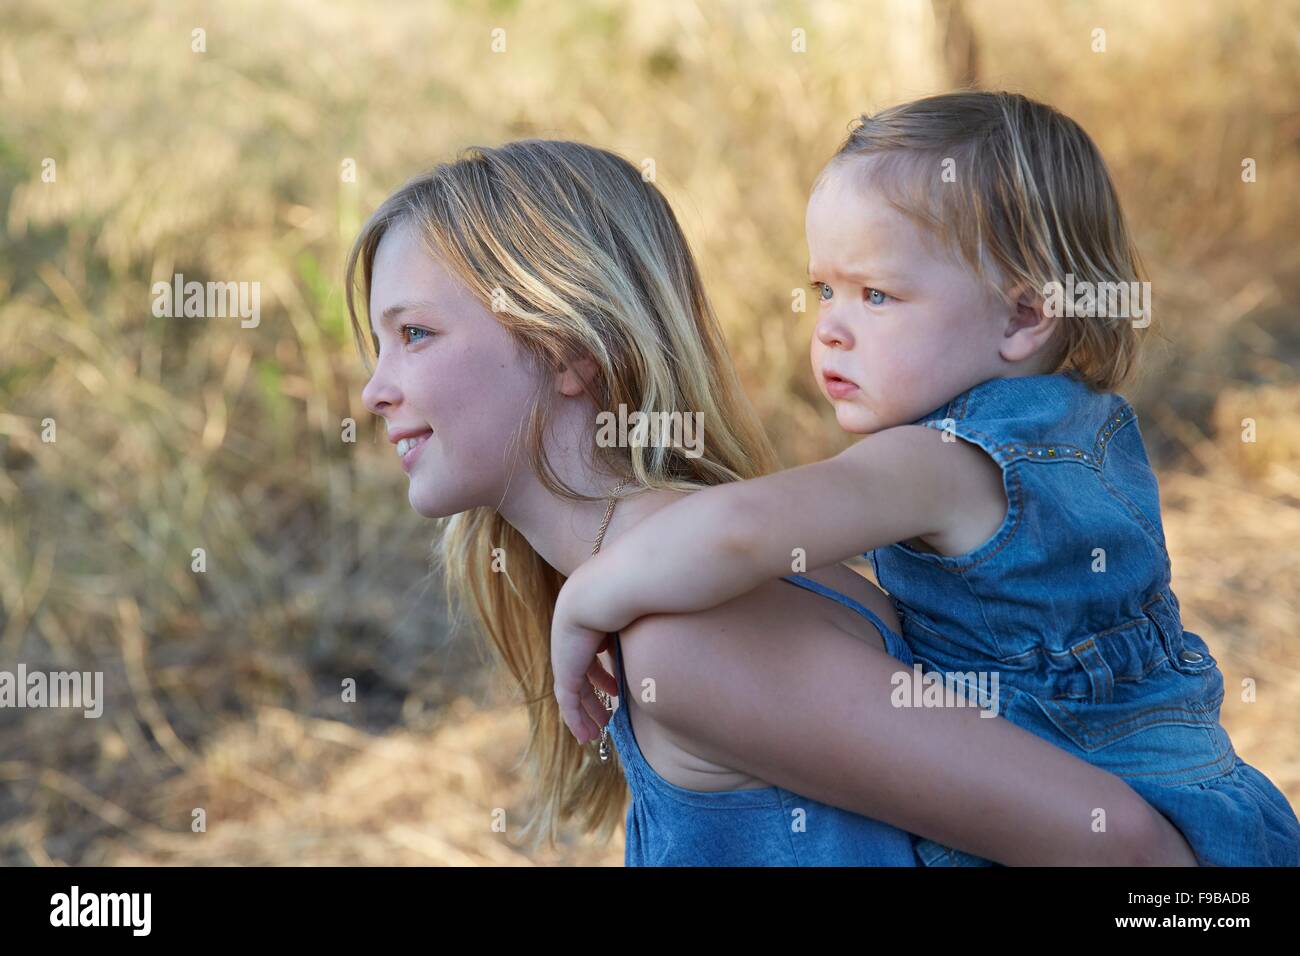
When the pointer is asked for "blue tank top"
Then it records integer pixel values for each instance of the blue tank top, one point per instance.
(668, 825)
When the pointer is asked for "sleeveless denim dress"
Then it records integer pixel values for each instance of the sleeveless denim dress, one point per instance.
(668, 825)
(1069, 606)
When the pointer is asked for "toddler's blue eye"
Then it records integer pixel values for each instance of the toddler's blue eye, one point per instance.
(823, 290)
(412, 328)
(872, 295)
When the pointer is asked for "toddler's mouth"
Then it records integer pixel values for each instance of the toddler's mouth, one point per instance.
(837, 386)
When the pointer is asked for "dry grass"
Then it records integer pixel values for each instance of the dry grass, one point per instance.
(172, 434)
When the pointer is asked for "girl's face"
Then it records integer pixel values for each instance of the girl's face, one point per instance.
(449, 376)
(901, 327)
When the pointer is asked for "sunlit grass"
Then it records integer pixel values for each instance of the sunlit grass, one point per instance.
(177, 434)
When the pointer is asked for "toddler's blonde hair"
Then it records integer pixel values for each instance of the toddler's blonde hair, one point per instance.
(1031, 197)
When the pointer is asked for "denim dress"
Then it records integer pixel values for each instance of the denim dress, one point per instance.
(668, 825)
(1069, 606)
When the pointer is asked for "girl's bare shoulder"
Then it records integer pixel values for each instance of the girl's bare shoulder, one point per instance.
(716, 673)
(765, 632)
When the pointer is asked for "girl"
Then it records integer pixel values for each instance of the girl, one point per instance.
(513, 296)
(1002, 489)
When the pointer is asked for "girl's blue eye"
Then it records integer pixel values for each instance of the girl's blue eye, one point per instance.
(872, 295)
(823, 290)
(412, 328)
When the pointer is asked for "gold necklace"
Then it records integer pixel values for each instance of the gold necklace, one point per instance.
(601, 695)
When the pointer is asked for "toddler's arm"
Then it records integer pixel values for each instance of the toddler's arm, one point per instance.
(721, 542)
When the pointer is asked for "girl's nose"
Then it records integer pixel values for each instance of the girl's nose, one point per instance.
(380, 394)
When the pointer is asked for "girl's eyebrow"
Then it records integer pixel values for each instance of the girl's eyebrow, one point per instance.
(393, 311)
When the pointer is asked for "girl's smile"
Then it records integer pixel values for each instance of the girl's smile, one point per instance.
(409, 443)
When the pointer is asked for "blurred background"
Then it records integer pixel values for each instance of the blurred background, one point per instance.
(247, 141)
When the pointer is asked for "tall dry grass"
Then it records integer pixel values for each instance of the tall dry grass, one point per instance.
(176, 434)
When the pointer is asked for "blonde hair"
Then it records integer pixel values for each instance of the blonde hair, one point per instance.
(578, 256)
(1032, 197)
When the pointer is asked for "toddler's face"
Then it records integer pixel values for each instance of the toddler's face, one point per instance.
(902, 327)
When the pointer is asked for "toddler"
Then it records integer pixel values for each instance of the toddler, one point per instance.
(980, 301)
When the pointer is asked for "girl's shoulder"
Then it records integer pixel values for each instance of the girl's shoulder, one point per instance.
(770, 613)
(755, 632)
(698, 684)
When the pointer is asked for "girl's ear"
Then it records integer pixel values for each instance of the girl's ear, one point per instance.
(576, 375)
(1030, 326)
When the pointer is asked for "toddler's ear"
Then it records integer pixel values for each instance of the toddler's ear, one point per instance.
(1029, 328)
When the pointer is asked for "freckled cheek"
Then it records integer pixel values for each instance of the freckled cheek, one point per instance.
(423, 389)
(479, 400)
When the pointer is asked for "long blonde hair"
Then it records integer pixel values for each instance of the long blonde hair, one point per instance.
(579, 256)
(1031, 193)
